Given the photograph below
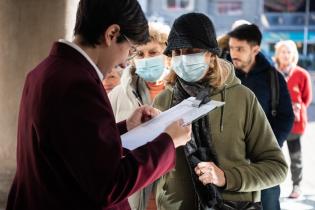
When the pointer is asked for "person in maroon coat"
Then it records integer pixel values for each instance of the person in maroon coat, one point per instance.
(69, 153)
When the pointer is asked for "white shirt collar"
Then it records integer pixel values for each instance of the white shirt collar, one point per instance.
(73, 45)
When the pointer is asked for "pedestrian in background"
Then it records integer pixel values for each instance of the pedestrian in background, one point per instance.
(256, 73)
(299, 84)
(223, 40)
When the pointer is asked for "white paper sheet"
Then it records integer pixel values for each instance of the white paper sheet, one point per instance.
(149, 130)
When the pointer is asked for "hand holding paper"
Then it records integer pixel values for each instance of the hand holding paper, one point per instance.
(179, 133)
(148, 131)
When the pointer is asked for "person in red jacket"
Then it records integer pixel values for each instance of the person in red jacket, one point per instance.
(69, 153)
(299, 85)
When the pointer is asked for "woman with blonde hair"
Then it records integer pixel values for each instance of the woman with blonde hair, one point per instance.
(140, 83)
(233, 153)
(143, 79)
(299, 85)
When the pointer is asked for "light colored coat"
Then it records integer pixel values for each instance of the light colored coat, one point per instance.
(123, 101)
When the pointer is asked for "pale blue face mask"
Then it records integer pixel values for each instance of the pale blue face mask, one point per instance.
(150, 69)
(190, 68)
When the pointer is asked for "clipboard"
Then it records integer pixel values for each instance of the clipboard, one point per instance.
(186, 110)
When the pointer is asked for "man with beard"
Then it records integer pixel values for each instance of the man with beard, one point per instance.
(255, 72)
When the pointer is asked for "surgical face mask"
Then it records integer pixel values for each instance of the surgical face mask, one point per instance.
(190, 68)
(150, 69)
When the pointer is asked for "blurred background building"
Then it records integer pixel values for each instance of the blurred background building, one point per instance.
(291, 19)
(278, 19)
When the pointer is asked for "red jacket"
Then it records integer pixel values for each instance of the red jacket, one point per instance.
(300, 88)
(69, 153)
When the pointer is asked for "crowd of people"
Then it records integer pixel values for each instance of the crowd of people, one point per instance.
(120, 71)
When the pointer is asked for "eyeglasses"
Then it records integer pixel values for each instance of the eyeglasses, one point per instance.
(133, 51)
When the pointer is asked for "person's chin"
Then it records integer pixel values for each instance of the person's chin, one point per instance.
(235, 63)
(108, 89)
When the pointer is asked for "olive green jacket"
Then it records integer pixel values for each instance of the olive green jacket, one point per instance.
(246, 147)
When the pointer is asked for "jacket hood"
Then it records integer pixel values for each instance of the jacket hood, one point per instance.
(230, 82)
(231, 79)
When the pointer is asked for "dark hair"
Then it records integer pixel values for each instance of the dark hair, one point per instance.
(247, 32)
(95, 16)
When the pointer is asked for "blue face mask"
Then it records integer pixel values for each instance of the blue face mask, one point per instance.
(150, 69)
(190, 68)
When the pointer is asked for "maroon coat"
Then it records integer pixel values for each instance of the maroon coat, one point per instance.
(69, 153)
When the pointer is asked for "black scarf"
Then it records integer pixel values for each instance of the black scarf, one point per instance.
(200, 147)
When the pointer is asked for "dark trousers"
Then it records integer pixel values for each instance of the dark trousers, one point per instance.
(294, 146)
(270, 198)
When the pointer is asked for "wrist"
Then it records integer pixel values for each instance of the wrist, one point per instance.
(128, 125)
(223, 183)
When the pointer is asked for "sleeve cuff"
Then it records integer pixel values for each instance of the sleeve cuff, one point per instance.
(233, 180)
(122, 127)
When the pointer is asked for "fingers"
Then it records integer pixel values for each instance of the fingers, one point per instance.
(150, 111)
(187, 127)
(208, 168)
(205, 175)
(205, 172)
(209, 173)
(206, 178)
(147, 112)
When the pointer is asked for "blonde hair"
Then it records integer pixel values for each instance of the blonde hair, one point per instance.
(159, 32)
(215, 74)
(291, 47)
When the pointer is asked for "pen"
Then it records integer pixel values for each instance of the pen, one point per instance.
(137, 98)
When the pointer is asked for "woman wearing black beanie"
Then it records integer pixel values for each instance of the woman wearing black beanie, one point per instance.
(233, 153)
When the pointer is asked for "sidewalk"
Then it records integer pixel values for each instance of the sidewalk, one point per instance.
(307, 201)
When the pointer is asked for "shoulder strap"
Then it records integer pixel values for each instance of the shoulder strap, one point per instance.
(274, 87)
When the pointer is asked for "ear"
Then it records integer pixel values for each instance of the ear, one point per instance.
(256, 49)
(111, 33)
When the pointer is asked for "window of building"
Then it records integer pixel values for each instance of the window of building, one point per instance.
(229, 7)
(180, 5)
(287, 5)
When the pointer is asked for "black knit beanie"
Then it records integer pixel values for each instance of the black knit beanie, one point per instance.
(192, 30)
